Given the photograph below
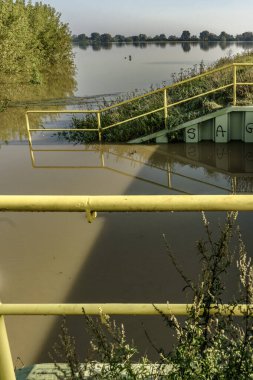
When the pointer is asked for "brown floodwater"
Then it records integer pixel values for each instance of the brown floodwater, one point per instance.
(121, 257)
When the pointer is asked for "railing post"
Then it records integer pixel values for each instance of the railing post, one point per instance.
(6, 364)
(234, 85)
(99, 127)
(165, 101)
(169, 175)
(28, 129)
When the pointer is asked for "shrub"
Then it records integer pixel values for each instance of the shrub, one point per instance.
(210, 345)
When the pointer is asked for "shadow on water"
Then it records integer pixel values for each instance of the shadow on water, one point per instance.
(128, 261)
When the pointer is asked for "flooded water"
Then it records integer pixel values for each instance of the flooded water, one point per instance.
(125, 68)
(51, 257)
(59, 257)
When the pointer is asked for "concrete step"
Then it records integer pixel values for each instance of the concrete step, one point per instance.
(52, 372)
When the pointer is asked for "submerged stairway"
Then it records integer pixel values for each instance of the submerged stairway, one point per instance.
(222, 126)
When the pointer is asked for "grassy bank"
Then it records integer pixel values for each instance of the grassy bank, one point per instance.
(177, 114)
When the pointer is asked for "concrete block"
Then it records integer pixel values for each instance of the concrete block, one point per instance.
(248, 156)
(248, 127)
(236, 123)
(206, 130)
(162, 139)
(221, 130)
(191, 134)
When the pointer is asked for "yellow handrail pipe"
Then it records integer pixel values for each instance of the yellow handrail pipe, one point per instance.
(120, 309)
(91, 204)
(6, 365)
(125, 203)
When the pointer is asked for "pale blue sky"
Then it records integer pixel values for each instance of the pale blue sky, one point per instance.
(152, 17)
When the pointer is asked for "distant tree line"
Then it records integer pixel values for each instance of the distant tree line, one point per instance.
(32, 39)
(205, 35)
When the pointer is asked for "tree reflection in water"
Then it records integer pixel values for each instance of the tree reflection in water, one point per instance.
(15, 97)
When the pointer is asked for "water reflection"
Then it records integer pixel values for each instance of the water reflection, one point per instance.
(186, 45)
(233, 161)
(103, 74)
(56, 84)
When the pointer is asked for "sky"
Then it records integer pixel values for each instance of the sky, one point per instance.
(151, 17)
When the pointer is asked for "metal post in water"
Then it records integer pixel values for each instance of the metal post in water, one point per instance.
(165, 107)
(28, 129)
(99, 127)
(169, 176)
(6, 364)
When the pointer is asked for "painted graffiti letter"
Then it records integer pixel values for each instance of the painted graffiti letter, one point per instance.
(191, 133)
(219, 129)
(249, 127)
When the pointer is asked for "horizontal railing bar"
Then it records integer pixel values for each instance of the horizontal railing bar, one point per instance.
(119, 309)
(200, 76)
(242, 64)
(244, 83)
(125, 203)
(67, 167)
(133, 118)
(133, 99)
(63, 129)
(65, 150)
(199, 95)
(62, 111)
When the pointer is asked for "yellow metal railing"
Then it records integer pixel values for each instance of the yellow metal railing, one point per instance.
(165, 105)
(6, 364)
(119, 309)
(90, 205)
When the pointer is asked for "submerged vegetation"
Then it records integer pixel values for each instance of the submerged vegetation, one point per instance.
(177, 115)
(36, 61)
(33, 43)
(209, 345)
(32, 39)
